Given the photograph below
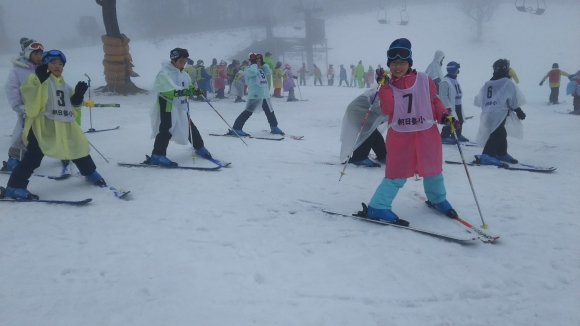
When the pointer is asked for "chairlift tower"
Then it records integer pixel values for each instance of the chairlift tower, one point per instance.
(314, 30)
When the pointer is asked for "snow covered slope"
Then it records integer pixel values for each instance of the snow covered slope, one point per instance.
(249, 245)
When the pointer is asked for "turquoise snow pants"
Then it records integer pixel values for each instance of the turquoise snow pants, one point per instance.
(387, 191)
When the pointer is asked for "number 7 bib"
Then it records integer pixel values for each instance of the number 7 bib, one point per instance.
(413, 110)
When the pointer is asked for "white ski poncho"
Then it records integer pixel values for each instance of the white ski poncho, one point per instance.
(170, 79)
(497, 100)
(353, 119)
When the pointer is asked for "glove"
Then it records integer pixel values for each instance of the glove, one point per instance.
(42, 72)
(382, 78)
(195, 91)
(80, 90)
(541, 83)
(445, 121)
(521, 115)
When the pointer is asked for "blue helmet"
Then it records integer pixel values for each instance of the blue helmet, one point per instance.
(453, 67)
(48, 56)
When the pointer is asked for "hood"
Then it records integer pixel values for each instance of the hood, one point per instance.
(23, 62)
(438, 56)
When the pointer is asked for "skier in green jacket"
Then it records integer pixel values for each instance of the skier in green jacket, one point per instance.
(360, 73)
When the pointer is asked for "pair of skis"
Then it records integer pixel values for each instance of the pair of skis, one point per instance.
(475, 232)
(219, 164)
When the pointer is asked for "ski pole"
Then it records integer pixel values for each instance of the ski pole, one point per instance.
(299, 92)
(91, 129)
(189, 122)
(450, 118)
(231, 128)
(21, 141)
(98, 151)
(359, 132)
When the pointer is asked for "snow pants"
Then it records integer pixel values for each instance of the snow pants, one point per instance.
(244, 116)
(497, 143)
(387, 191)
(446, 131)
(277, 92)
(17, 145)
(342, 79)
(291, 96)
(576, 103)
(376, 142)
(554, 92)
(31, 161)
(352, 81)
(361, 83)
(319, 79)
(302, 80)
(164, 136)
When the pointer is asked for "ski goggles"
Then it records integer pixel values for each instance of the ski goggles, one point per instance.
(48, 56)
(398, 52)
(36, 46)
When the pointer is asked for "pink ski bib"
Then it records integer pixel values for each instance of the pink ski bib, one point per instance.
(413, 110)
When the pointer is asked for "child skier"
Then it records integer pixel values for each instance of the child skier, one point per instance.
(277, 80)
(370, 137)
(573, 88)
(238, 84)
(317, 75)
(23, 66)
(170, 115)
(434, 69)
(258, 96)
(554, 80)
(289, 84)
(500, 101)
(413, 143)
(50, 129)
(450, 94)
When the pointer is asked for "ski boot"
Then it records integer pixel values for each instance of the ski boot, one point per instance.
(276, 131)
(10, 165)
(19, 193)
(240, 133)
(367, 163)
(203, 152)
(462, 139)
(485, 159)
(444, 207)
(159, 160)
(96, 179)
(448, 141)
(508, 159)
(386, 215)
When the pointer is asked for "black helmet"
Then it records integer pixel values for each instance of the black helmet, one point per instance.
(555, 65)
(501, 66)
(200, 62)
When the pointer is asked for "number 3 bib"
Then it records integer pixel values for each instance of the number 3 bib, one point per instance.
(58, 106)
(413, 110)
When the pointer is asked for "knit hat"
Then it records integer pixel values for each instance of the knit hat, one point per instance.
(401, 43)
(287, 66)
(555, 65)
(178, 53)
(453, 67)
(28, 46)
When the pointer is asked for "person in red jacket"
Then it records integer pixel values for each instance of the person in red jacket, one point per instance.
(413, 143)
(554, 79)
(220, 80)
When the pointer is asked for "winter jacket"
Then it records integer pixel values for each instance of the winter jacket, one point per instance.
(342, 73)
(434, 69)
(554, 77)
(268, 61)
(317, 72)
(302, 71)
(255, 91)
(360, 71)
(412, 152)
(21, 69)
(277, 79)
(56, 139)
(220, 78)
(203, 79)
(288, 80)
(212, 70)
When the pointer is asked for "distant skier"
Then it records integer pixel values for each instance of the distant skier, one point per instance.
(413, 141)
(203, 80)
(317, 75)
(330, 75)
(450, 94)
(360, 74)
(352, 76)
(343, 77)
(268, 61)
(220, 80)
(289, 83)
(170, 114)
(500, 101)
(51, 130)
(370, 137)
(434, 70)
(302, 75)
(554, 79)
(238, 83)
(277, 80)
(258, 96)
(573, 88)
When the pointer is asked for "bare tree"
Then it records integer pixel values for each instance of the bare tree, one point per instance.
(480, 11)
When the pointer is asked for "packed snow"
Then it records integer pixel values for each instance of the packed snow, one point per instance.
(249, 244)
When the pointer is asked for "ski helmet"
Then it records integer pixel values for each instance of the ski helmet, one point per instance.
(453, 67)
(555, 65)
(200, 62)
(52, 55)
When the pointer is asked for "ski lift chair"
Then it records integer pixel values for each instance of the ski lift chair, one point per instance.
(382, 19)
(539, 10)
(404, 18)
(522, 7)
